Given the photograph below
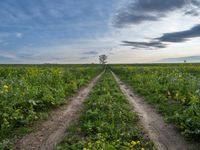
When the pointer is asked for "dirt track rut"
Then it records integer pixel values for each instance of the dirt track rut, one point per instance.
(162, 134)
(52, 131)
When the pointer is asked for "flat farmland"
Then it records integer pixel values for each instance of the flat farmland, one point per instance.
(100, 107)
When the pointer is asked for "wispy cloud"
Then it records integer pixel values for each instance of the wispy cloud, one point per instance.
(192, 12)
(19, 35)
(42, 24)
(7, 56)
(181, 36)
(144, 45)
(90, 53)
(75, 52)
(182, 59)
(84, 58)
(45, 13)
(160, 42)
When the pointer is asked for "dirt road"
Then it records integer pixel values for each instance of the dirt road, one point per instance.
(162, 134)
(52, 131)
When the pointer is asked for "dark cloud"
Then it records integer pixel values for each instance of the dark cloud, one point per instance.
(174, 37)
(91, 53)
(127, 18)
(196, 2)
(182, 59)
(83, 58)
(144, 45)
(181, 36)
(192, 13)
(139, 11)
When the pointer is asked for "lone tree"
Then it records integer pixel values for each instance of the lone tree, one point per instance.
(102, 59)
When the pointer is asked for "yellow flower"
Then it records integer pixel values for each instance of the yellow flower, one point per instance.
(89, 145)
(5, 87)
(98, 142)
(142, 149)
(84, 148)
(133, 143)
(138, 142)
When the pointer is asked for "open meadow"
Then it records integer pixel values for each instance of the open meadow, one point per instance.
(93, 114)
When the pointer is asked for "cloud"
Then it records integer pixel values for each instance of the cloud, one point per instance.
(138, 11)
(160, 42)
(19, 34)
(5, 34)
(79, 51)
(6, 56)
(144, 45)
(84, 58)
(48, 23)
(181, 36)
(125, 18)
(50, 13)
(182, 59)
(90, 53)
(192, 13)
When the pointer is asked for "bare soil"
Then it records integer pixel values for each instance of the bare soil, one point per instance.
(164, 136)
(52, 130)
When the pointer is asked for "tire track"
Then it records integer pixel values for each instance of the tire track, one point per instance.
(52, 131)
(164, 136)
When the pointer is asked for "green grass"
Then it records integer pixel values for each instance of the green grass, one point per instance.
(107, 122)
(29, 92)
(174, 90)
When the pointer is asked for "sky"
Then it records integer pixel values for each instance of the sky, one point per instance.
(77, 31)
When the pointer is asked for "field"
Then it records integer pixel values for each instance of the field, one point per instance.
(106, 120)
(26, 92)
(173, 90)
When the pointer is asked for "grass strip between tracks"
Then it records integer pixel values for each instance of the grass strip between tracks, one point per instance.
(107, 122)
